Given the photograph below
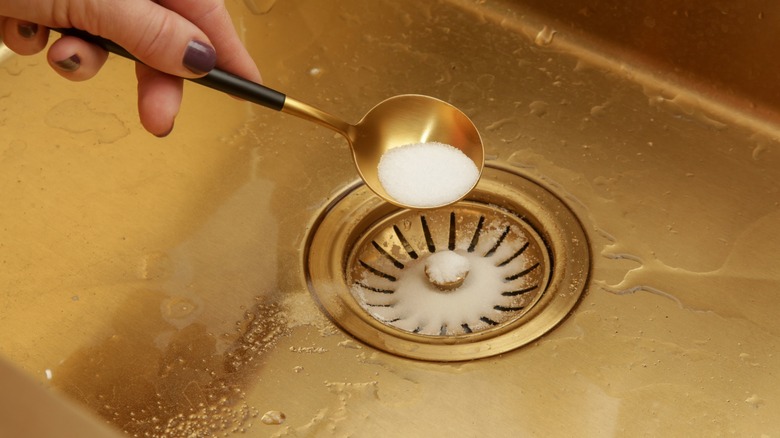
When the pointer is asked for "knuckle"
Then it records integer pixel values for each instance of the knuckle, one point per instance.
(155, 39)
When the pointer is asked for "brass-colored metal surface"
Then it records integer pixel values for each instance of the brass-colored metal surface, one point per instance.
(159, 283)
(394, 122)
(339, 257)
(24, 403)
(5, 52)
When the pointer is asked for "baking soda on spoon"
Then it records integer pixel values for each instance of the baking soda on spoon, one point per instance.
(426, 175)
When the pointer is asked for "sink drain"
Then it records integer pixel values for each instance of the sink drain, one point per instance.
(503, 263)
(478, 278)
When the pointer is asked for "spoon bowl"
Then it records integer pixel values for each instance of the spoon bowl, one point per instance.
(409, 119)
(397, 121)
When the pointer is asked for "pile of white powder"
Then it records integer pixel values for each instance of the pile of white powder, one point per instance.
(446, 267)
(427, 175)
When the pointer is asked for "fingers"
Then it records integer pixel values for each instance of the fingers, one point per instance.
(174, 38)
(23, 37)
(159, 99)
(159, 95)
(75, 59)
(156, 35)
(213, 18)
(71, 57)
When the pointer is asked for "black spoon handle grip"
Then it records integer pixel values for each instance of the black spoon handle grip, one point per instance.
(216, 79)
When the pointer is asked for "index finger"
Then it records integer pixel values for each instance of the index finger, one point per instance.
(213, 18)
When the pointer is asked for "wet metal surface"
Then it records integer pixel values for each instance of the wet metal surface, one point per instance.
(160, 282)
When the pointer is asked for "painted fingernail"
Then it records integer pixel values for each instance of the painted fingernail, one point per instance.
(69, 64)
(27, 30)
(199, 57)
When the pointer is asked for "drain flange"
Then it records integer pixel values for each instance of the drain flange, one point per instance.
(511, 261)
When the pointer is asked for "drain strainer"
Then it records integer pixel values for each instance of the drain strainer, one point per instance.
(496, 262)
(478, 278)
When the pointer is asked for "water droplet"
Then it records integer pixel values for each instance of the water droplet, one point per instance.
(74, 116)
(545, 36)
(755, 401)
(538, 108)
(309, 350)
(759, 150)
(154, 266)
(349, 343)
(273, 418)
(598, 110)
(259, 7)
(180, 311)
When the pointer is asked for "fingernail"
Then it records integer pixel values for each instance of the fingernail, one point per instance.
(69, 64)
(199, 57)
(27, 30)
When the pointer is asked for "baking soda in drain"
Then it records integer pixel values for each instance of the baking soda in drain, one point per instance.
(446, 267)
(427, 174)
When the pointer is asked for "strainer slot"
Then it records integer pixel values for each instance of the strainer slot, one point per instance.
(515, 255)
(427, 232)
(498, 242)
(405, 243)
(374, 289)
(453, 233)
(488, 320)
(477, 233)
(377, 272)
(387, 255)
(515, 293)
(508, 308)
(522, 273)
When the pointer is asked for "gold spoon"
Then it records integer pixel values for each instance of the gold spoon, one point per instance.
(394, 122)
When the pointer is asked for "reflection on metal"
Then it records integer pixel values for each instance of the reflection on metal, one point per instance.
(5, 52)
(529, 265)
(23, 403)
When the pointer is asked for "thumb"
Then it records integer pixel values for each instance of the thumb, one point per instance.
(158, 37)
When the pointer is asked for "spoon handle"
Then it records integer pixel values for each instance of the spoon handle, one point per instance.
(216, 79)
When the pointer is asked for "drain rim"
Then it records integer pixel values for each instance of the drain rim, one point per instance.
(335, 234)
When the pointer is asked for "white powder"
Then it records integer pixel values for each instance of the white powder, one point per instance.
(426, 174)
(446, 267)
(420, 304)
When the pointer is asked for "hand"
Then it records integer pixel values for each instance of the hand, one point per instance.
(174, 39)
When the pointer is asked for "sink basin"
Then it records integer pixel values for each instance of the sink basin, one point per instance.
(160, 284)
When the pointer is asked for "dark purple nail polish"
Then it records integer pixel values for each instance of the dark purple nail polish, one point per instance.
(69, 64)
(199, 57)
(27, 30)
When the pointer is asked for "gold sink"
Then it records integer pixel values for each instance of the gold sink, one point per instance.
(161, 285)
